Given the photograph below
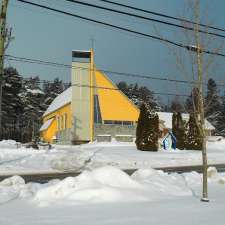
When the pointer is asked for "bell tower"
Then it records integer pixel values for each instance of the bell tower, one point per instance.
(82, 96)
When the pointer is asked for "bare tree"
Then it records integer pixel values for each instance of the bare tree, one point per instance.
(195, 66)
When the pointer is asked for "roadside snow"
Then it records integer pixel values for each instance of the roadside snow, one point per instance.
(108, 196)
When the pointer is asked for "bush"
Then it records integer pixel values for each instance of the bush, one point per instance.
(194, 140)
(178, 129)
(147, 130)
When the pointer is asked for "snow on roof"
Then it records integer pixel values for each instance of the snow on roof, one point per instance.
(35, 91)
(46, 124)
(77, 50)
(167, 118)
(61, 100)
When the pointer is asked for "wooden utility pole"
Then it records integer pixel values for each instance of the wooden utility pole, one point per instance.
(200, 107)
(3, 35)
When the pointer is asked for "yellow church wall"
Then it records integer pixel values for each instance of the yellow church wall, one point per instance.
(114, 105)
(58, 123)
(48, 134)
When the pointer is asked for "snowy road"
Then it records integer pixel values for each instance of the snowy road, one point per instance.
(46, 177)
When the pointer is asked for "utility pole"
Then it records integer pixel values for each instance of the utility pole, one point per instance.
(3, 36)
(200, 107)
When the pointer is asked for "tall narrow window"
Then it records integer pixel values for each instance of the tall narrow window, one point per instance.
(62, 123)
(65, 121)
(58, 123)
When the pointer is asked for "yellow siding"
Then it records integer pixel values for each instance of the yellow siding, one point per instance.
(49, 133)
(114, 105)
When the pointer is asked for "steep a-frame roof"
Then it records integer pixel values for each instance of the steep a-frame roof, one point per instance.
(114, 105)
(63, 99)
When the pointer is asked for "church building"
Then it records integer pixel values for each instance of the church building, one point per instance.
(91, 107)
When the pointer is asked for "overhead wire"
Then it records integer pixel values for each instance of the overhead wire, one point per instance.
(163, 15)
(113, 72)
(144, 18)
(177, 44)
(55, 64)
(104, 88)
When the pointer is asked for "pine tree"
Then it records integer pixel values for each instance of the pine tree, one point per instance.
(52, 90)
(178, 129)
(194, 140)
(32, 98)
(191, 104)
(212, 103)
(176, 106)
(11, 104)
(138, 95)
(221, 118)
(147, 129)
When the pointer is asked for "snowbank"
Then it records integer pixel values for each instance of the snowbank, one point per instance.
(104, 185)
(9, 144)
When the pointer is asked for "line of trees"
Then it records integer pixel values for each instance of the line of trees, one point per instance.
(24, 102)
(213, 101)
(187, 133)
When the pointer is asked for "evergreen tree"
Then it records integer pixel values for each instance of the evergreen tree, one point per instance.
(11, 104)
(178, 129)
(191, 104)
(32, 98)
(23, 104)
(138, 95)
(176, 106)
(221, 118)
(194, 140)
(52, 90)
(212, 103)
(147, 129)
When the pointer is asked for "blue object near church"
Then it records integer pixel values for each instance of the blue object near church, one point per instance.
(169, 141)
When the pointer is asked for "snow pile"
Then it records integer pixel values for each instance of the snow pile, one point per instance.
(108, 184)
(13, 188)
(214, 176)
(74, 161)
(162, 184)
(10, 144)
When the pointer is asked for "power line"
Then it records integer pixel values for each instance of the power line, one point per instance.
(177, 44)
(48, 63)
(162, 15)
(145, 18)
(104, 23)
(117, 89)
(106, 88)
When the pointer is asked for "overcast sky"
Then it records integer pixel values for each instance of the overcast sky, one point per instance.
(44, 35)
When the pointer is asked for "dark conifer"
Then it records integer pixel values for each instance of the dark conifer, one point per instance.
(178, 129)
(138, 94)
(147, 130)
(194, 139)
(213, 104)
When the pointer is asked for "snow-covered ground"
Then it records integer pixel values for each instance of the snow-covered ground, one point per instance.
(103, 194)
(108, 196)
(17, 160)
